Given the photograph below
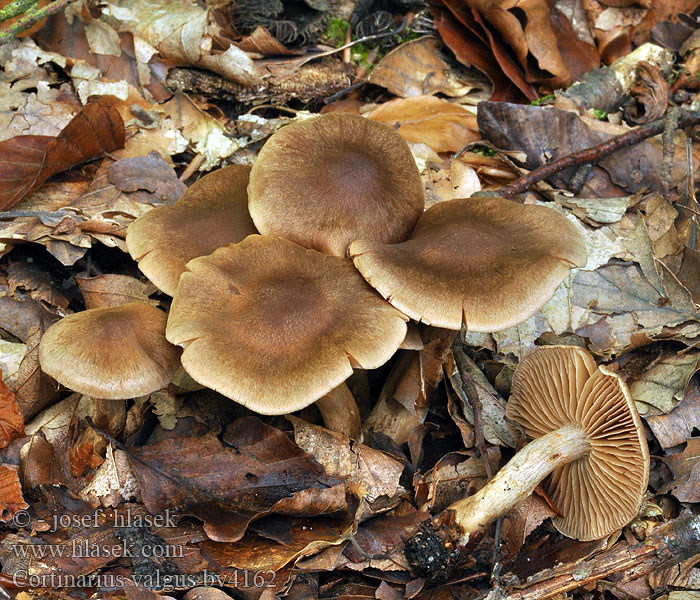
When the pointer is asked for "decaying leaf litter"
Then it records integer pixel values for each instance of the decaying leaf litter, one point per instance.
(112, 112)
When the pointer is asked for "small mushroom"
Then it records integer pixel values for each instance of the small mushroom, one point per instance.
(275, 326)
(211, 213)
(587, 434)
(332, 179)
(486, 261)
(110, 353)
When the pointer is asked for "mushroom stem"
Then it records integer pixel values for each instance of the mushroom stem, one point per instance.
(519, 478)
(340, 413)
(435, 549)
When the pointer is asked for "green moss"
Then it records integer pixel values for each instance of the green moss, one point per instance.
(484, 150)
(336, 32)
(600, 114)
(543, 100)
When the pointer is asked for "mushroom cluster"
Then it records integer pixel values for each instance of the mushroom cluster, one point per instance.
(287, 276)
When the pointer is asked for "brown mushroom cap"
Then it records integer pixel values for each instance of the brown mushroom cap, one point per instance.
(211, 213)
(332, 179)
(488, 261)
(601, 492)
(275, 326)
(111, 353)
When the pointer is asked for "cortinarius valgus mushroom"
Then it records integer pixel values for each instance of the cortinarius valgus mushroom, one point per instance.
(587, 435)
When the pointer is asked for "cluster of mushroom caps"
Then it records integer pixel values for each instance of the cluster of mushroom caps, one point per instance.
(274, 272)
(287, 276)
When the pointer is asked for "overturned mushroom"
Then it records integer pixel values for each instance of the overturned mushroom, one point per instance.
(486, 261)
(332, 179)
(110, 353)
(588, 435)
(275, 326)
(211, 213)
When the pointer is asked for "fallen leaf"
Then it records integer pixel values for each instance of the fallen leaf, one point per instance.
(495, 428)
(371, 475)
(685, 467)
(258, 471)
(659, 389)
(462, 31)
(454, 476)
(11, 499)
(546, 133)
(522, 520)
(28, 161)
(441, 125)
(124, 187)
(207, 136)
(417, 68)
(674, 427)
(180, 32)
(265, 550)
(379, 542)
(25, 278)
(113, 290)
(11, 420)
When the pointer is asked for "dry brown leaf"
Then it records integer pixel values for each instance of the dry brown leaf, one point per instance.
(262, 42)
(685, 467)
(206, 135)
(442, 125)
(116, 57)
(417, 68)
(659, 388)
(11, 420)
(522, 520)
(370, 475)
(113, 290)
(29, 279)
(676, 427)
(130, 186)
(380, 542)
(259, 471)
(463, 32)
(180, 31)
(27, 161)
(279, 541)
(11, 499)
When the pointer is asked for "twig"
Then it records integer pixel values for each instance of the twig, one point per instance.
(367, 38)
(670, 126)
(596, 153)
(665, 546)
(473, 397)
(192, 168)
(17, 7)
(32, 16)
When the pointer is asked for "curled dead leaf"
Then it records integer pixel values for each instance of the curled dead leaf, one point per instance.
(28, 161)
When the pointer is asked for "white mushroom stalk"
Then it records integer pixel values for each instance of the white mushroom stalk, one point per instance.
(340, 413)
(589, 440)
(519, 478)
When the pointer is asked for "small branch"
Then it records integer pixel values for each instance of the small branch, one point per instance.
(17, 7)
(368, 38)
(667, 545)
(31, 17)
(596, 153)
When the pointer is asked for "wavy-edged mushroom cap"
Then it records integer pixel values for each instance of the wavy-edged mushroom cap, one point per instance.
(489, 262)
(332, 179)
(211, 213)
(601, 492)
(111, 353)
(275, 326)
